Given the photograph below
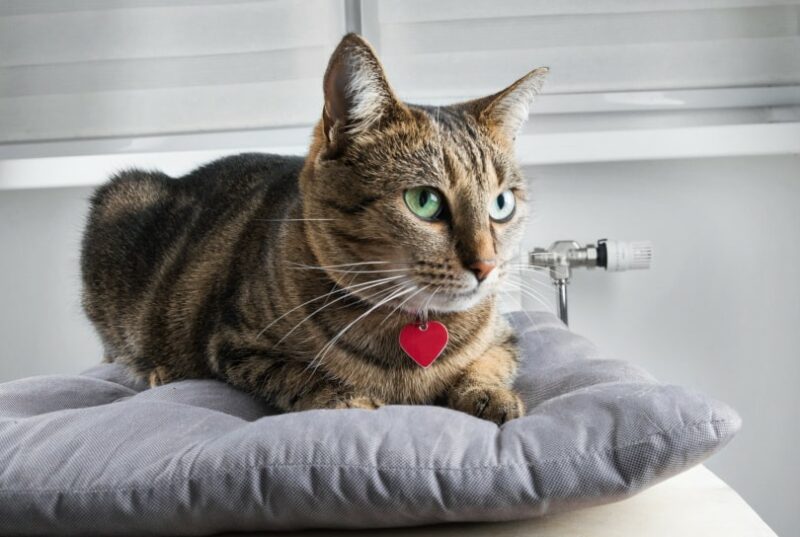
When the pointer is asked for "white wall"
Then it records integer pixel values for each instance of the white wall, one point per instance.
(718, 311)
(720, 308)
(42, 327)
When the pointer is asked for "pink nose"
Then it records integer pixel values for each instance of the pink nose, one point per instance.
(482, 268)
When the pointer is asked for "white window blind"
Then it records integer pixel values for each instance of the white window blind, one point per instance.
(630, 79)
(592, 45)
(95, 85)
(104, 68)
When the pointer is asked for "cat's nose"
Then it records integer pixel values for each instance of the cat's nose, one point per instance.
(482, 267)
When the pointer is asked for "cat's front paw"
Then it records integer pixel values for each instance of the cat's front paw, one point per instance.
(493, 403)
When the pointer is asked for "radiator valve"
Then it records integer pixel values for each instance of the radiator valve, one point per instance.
(614, 256)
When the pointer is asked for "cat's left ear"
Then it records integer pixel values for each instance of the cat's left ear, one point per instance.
(506, 111)
(357, 94)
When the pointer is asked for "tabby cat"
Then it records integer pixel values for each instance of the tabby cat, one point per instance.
(291, 278)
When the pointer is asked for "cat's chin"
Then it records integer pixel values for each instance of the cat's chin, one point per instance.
(456, 304)
(448, 303)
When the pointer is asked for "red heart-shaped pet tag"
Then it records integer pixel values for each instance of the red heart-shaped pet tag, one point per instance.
(424, 343)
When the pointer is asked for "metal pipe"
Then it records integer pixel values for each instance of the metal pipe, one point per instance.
(561, 292)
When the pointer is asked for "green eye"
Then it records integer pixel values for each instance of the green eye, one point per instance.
(424, 202)
(501, 209)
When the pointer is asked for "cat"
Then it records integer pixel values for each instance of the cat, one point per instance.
(291, 278)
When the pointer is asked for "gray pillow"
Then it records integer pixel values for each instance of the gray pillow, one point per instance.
(100, 454)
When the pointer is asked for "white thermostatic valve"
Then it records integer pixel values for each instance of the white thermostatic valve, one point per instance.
(621, 255)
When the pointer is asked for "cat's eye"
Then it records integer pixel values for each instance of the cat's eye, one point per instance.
(424, 201)
(501, 208)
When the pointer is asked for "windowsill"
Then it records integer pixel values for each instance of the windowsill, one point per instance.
(533, 149)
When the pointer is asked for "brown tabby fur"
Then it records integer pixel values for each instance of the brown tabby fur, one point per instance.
(220, 273)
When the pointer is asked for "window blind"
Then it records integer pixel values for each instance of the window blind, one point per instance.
(161, 75)
(592, 46)
(110, 68)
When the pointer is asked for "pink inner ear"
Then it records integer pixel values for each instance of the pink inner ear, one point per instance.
(424, 346)
(335, 88)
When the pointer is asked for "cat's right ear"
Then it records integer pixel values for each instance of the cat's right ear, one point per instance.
(357, 94)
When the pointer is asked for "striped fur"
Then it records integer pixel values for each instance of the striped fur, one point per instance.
(249, 268)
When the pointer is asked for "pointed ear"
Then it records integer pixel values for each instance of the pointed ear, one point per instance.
(357, 94)
(507, 110)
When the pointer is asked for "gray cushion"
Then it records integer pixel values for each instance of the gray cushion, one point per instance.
(100, 454)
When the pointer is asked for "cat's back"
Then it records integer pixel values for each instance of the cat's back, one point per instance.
(145, 224)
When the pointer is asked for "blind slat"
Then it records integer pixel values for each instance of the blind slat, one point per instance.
(90, 69)
(29, 7)
(406, 11)
(166, 32)
(170, 110)
(103, 68)
(218, 69)
(589, 30)
(466, 48)
(748, 62)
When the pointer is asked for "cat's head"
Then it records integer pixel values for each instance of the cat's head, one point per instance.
(428, 200)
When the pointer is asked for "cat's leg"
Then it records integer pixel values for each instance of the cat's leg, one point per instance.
(159, 376)
(143, 369)
(484, 388)
(285, 382)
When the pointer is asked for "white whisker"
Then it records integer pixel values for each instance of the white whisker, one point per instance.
(521, 281)
(307, 317)
(531, 281)
(381, 271)
(350, 267)
(340, 265)
(525, 266)
(512, 297)
(369, 297)
(531, 294)
(400, 305)
(527, 314)
(428, 302)
(327, 295)
(329, 345)
(294, 219)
